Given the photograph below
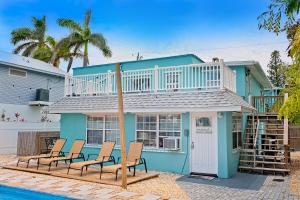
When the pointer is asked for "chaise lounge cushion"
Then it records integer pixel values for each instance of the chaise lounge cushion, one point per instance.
(79, 165)
(115, 168)
(27, 158)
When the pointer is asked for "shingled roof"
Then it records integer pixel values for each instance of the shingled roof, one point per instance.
(219, 100)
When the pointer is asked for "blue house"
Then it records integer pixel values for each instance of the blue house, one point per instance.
(190, 114)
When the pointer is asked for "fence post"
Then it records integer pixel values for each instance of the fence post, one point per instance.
(286, 125)
(156, 77)
(109, 82)
(222, 74)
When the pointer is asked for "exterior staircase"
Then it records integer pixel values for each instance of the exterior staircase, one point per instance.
(263, 149)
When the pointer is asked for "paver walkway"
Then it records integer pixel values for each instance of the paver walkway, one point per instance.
(67, 187)
(218, 189)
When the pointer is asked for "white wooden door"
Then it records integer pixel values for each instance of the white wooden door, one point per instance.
(204, 143)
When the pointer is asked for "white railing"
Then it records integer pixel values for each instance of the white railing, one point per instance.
(204, 76)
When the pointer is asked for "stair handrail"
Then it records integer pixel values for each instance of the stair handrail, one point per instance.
(255, 141)
(256, 134)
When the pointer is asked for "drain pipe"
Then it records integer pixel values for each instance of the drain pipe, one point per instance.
(186, 133)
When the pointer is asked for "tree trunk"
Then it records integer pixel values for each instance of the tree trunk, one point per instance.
(85, 55)
(70, 64)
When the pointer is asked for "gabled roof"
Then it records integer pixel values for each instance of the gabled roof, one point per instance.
(193, 101)
(28, 63)
(256, 69)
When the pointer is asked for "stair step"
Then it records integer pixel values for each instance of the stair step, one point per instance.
(275, 145)
(263, 156)
(264, 169)
(268, 129)
(264, 162)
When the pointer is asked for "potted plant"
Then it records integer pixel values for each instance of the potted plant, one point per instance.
(17, 115)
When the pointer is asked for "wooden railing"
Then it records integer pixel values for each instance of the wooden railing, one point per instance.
(267, 104)
(204, 76)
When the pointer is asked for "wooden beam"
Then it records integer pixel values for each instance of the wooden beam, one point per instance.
(122, 128)
(286, 125)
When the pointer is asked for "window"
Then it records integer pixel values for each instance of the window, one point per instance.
(17, 72)
(153, 129)
(236, 130)
(103, 128)
(146, 129)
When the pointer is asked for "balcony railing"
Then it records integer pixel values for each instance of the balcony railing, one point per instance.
(267, 104)
(204, 76)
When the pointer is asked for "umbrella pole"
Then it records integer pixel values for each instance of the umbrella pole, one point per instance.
(122, 128)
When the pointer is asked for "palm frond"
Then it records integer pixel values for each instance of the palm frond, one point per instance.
(21, 34)
(40, 28)
(99, 41)
(51, 41)
(29, 50)
(21, 47)
(70, 24)
(87, 18)
(43, 54)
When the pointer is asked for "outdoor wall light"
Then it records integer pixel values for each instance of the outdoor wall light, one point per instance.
(220, 115)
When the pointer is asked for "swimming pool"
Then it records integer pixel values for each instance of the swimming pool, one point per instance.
(12, 193)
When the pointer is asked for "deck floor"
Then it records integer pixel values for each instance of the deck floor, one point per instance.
(91, 175)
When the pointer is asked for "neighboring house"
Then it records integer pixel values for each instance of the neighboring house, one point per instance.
(26, 86)
(189, 114)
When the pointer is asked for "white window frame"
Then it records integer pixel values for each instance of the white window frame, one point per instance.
(10, 74)
(104, 129)
(157, 129)
(238, 132)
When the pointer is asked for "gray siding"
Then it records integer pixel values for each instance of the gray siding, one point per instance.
(19, 90)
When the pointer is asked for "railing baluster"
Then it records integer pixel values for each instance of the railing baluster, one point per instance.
(195, 76)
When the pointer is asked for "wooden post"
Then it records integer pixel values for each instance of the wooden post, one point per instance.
(122, 128)
(222, 74)
(286, 126)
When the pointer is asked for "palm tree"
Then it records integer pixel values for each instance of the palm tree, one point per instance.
(82, 36)
(33, 42)
(67, 51)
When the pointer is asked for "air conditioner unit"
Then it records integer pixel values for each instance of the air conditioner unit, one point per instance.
(171, 144)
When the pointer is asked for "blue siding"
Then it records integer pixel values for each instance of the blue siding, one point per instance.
(240, 80)
(256, 87)
(73, 126)
(228, 159)
(19, 90)
(142, 64)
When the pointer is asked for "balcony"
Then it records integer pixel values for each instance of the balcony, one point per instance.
(204, 76)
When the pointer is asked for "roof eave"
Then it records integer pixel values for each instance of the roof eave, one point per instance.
(32, 69)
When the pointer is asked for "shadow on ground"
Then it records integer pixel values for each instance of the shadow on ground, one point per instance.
(239, 181)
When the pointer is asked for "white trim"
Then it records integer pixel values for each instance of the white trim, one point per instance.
(156, 114)
(155, 110)
(104, 129)
(20, 70)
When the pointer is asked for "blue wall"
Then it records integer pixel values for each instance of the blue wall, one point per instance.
(73, 126)
(142, 64)
(240, 80)
(256, 87)
(228, 159)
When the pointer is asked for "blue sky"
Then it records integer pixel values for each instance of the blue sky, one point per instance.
(224, 29)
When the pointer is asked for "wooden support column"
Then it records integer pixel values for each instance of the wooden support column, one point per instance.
(122, 128)
(286, 126)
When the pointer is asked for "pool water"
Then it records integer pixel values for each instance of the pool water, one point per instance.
(12, 193)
